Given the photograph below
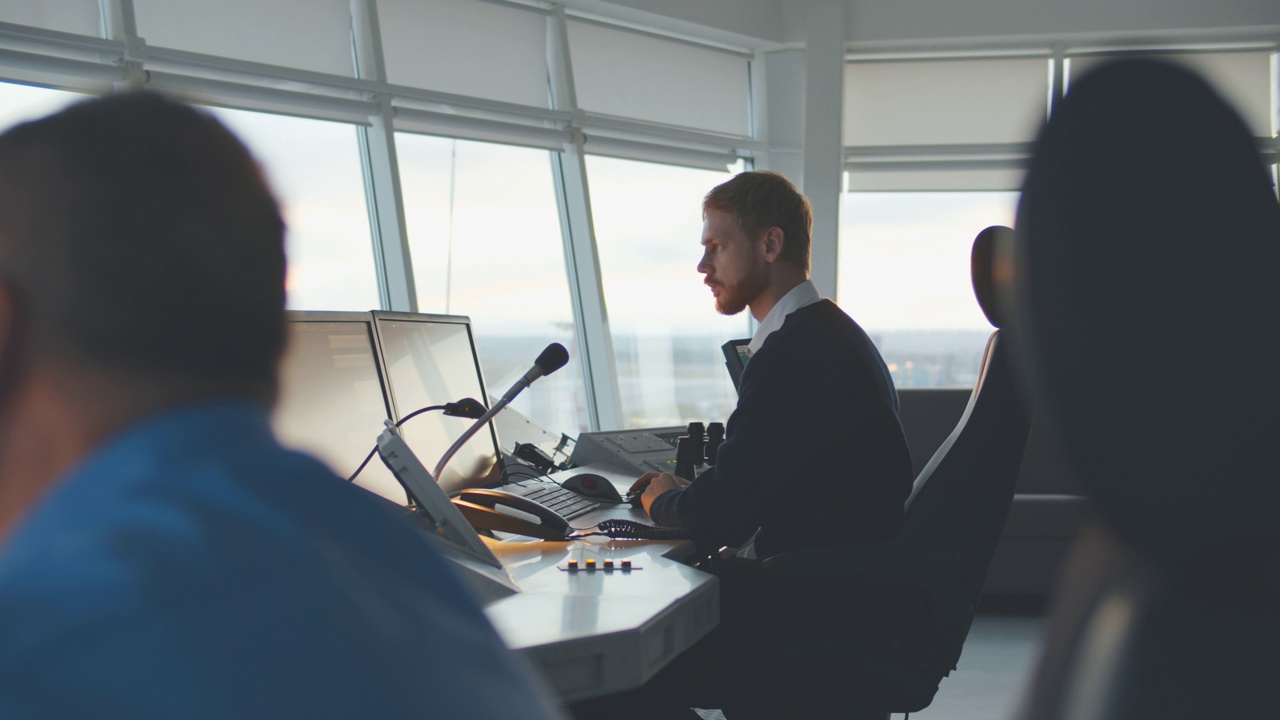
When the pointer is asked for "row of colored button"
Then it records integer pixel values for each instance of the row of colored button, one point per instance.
(591, 565)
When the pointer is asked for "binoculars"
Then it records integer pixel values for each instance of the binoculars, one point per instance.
(696, 447)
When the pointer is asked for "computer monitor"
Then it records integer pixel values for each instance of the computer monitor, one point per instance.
(735, 359)
(432, 360)
(332, 404)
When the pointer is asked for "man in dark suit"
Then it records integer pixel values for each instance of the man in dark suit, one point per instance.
(813, 454)
(814, 451)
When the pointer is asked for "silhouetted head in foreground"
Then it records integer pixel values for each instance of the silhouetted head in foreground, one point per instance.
(141, 268)
(1148, 297)
(139, 240)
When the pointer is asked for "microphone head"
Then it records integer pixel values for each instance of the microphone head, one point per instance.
(552, 358)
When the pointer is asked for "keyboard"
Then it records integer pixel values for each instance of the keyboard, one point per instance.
(566, 503)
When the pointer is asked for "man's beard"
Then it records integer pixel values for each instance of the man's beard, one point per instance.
(733, 299)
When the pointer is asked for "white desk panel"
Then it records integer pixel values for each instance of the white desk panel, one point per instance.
(597, 632)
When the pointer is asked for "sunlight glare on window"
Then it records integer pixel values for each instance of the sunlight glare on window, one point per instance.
(486, 241)
(903, 275)
(20, 103)
(666, 331)
(314, 168)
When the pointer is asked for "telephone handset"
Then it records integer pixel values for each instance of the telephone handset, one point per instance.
(480, 507)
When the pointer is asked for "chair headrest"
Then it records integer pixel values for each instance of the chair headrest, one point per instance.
(991, 270)
(1146, 300)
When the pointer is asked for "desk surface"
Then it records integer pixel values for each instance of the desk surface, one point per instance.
(597, 632)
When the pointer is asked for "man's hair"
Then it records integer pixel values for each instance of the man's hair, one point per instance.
(138, 238)
(762, 199)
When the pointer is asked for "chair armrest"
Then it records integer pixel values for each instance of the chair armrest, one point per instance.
(872, 565)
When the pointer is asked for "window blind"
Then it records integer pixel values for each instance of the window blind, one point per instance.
(1242, 78)
(465, 47)
(305, 34)
(643, 77)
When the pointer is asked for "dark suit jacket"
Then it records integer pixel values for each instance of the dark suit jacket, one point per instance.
(814, 451)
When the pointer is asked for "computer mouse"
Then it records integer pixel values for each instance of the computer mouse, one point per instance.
(593, 486)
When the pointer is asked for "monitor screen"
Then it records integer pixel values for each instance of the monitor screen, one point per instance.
(331, 402)
(431, 360)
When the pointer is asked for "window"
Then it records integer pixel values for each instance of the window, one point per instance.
(666, 332)
(904, 276)
(485, 237)
(20, 103)
(919, 191)
(314, 168)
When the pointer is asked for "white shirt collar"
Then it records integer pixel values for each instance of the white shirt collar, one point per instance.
(802, 295)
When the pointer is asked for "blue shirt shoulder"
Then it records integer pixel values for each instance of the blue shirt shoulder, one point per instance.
(194, 568)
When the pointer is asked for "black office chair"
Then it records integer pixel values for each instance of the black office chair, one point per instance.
(876, 627)
(1148, 300)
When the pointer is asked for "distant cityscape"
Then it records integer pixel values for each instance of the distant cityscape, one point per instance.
(672, 380)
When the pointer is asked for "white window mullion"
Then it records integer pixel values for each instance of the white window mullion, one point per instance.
(396, 288)
(823, 169)
(582, 258)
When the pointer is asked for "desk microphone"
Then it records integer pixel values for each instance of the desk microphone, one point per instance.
(552, 359)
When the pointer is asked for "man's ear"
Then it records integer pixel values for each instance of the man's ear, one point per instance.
(774, 241)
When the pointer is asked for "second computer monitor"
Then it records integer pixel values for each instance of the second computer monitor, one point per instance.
(432, 360)
(332, 403)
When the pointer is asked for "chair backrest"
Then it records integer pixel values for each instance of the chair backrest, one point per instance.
(962, 495)
(1147, 300)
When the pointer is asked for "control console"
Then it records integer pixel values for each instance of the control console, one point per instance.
(629, 451)
(651, 449)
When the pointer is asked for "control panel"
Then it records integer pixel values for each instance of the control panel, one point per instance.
(633, 451)
(680, 451)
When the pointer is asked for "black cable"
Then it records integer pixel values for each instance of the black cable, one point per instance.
(521, 470)
(630, 529)
(466, 407)
(368, 458)
(508, 474)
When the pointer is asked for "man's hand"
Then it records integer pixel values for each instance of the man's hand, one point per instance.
(655, 484)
